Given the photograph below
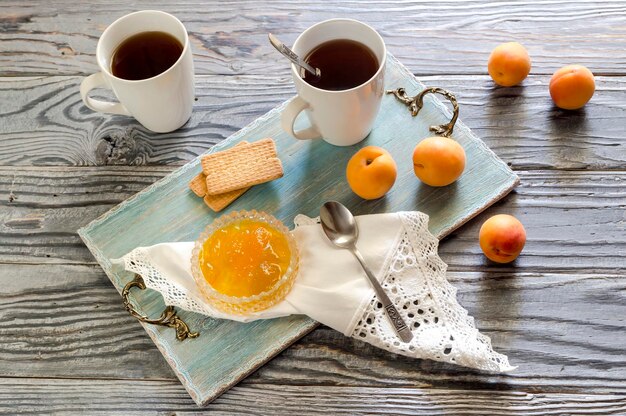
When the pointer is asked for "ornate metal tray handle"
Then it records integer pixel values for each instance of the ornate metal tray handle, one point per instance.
(416, 103)
(167, 318)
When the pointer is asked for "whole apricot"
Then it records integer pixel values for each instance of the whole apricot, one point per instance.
(572, 86)
(509, 64)
(502, 238)
(438, 161)
(371, 172)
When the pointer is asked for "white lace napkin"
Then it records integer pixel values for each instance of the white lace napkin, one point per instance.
(332, 288)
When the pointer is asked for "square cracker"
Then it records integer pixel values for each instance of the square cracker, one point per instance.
(215, 202)
(220, 201)
(198, 184)
(241, 167)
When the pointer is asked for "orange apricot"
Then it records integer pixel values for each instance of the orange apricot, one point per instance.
(438, 161)
(509, 64)
(371, 172)
(502, 238)
(572, 86)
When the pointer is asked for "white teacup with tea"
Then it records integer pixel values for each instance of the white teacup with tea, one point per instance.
(342, 104)
(145, 58)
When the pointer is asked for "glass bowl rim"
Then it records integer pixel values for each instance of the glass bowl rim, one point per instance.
(230, 218)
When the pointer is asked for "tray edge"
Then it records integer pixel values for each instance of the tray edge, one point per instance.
(198, 397)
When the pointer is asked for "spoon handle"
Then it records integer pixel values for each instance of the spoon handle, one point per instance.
(398, 323)
(289, 54)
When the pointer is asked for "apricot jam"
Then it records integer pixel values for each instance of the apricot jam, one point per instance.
(244, 258)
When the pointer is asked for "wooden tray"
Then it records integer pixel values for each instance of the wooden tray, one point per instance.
(227, 351)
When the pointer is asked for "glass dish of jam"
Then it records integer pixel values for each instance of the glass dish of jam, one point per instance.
(245, 262)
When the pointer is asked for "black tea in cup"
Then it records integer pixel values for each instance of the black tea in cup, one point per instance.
(344, 64)
(145, 55)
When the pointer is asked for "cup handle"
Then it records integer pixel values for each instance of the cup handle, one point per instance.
(95, 81)
(288, 118)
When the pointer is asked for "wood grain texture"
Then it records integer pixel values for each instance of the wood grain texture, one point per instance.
(67, 321)
(570, 217)
(47, 123)
(558, 311)
(72, 322)
(104, 397)
(431, 37)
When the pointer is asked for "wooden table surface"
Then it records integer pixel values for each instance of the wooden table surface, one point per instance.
(67, 345)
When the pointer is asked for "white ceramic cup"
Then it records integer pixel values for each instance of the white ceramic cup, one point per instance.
(162, 103)
(345, 117)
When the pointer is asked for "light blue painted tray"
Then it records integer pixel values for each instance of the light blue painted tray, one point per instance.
(227, 351)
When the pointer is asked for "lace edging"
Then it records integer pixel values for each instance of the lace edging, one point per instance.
(416, 282)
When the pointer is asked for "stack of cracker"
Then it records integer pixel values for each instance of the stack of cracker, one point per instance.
(228, 174)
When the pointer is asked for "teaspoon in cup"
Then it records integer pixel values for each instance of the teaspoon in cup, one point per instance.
(291, 55)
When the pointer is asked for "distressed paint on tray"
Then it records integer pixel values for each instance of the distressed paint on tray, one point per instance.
(227, 351)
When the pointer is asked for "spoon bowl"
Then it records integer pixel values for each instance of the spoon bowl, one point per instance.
(338, 224)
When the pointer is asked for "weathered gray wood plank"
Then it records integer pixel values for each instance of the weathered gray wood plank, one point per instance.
(68, 321)
(103, 397)
(431, 37)
(43, 211)
(571, 217)
(45, 122)
(73, 323)
(558, 314)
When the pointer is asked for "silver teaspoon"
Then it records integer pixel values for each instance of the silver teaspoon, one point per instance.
(340, 227)
(291, 55)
